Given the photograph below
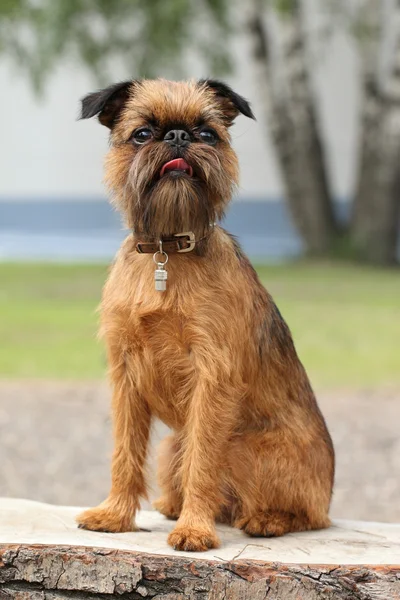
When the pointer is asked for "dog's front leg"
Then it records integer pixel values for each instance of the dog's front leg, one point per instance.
(210, 420)
(131, 418)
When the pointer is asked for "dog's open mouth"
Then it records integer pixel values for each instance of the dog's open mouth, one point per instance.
(178, 165)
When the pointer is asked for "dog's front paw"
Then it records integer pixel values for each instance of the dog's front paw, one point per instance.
(167, 508)
(104, 518)
(190, 539)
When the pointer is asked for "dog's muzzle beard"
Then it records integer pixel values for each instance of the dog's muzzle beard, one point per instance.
(173, 203)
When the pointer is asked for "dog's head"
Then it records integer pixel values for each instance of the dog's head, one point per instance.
(171, 166)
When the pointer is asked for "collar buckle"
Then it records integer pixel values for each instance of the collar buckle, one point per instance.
(191, 240)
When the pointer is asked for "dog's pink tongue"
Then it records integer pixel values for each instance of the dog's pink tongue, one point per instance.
(178, 164)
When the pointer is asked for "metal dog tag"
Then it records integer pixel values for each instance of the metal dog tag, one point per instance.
(160, 277)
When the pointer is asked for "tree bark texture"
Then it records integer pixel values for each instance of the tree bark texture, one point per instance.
(292, 120)
(376, 212)
(63, 572)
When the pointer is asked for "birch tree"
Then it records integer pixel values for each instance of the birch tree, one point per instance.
(292, 118)
(291, 113)
(376, 213)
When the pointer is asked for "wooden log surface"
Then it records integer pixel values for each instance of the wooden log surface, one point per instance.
(44, 556)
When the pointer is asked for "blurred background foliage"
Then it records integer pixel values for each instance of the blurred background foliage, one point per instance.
(150, 37)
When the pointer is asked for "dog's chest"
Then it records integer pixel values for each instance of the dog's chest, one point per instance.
(167, 363)
(160, 331)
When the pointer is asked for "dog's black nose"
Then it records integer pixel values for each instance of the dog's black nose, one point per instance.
(177, 137)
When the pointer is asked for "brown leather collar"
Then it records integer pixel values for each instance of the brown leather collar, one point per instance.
(179, 242)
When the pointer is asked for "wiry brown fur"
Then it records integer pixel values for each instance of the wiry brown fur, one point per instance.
(211, 357)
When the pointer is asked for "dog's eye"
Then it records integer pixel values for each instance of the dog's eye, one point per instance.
(142, 135)
(208, 136)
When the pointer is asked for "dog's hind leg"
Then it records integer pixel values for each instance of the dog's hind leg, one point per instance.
(282, 485)
(273, 523)
(169, 480)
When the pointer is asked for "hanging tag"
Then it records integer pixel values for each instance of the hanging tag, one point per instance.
(160, 274)
(160, 278)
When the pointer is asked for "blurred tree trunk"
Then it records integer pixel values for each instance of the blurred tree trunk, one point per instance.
(292, 120)
(369, 47)
(376, 212)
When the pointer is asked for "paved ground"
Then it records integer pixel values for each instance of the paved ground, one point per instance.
(55, 446)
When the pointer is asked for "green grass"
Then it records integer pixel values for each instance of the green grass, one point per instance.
(345, 321)
(48, 321)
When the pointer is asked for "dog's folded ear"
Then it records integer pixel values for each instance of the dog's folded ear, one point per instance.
(107, 103)
(231, 103)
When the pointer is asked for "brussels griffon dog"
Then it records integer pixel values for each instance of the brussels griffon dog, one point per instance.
(192, 336)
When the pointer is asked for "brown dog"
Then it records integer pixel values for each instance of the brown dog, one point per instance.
(211, 356)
